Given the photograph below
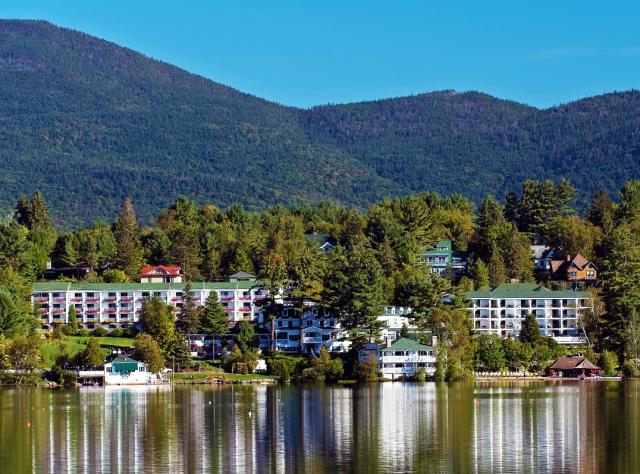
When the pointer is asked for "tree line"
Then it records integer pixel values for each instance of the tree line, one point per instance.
(375, 262)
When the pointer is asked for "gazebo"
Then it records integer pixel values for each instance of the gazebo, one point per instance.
(573, 366)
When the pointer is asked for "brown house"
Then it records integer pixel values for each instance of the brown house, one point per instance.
(574, 269)
(573, 366)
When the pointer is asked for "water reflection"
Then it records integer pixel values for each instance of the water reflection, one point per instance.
(391, 427)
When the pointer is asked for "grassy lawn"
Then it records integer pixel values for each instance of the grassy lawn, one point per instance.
(76, 344)
(190, 377)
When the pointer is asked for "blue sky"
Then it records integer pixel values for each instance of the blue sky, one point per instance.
(305, 53)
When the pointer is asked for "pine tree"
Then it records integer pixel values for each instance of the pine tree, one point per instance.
(497, 270)
(189, 316)
(128, 255)
(354, 287)
(73, 320)
(213, 319)
(480, 275)
(530, 331)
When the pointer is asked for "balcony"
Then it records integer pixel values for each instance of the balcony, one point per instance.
(44, 311)
(92, 311)
(92, 299)
(109, 299)
(111, 311)
(58, 311)
(41, 300)
(227, 298)
(126, 299)
(76, 300)
(60, 299)
(176, 299)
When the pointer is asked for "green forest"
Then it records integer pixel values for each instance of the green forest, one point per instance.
(374, 264)
(89, 123)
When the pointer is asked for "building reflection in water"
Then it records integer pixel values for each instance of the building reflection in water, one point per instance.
(392, 427)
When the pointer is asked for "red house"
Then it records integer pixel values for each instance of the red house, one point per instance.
(161, 274)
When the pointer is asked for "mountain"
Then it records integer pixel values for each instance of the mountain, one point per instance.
(88, 123)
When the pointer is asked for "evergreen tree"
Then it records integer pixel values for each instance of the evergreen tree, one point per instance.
(517, 257)
(621, 285)
(213, 319)
(497, 270)
(189, 316)
(601, 210)
(629, 207)
(73, 320)
(128, 254)
(354, 288)
(530, 331)
(181, 352)
(245, 339)
(480, 274)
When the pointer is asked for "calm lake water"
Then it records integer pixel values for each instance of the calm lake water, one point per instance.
(390, 427)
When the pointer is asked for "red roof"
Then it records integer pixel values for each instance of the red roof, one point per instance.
(160, 270)
(573, 362)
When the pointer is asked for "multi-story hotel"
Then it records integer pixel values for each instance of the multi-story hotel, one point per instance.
(113, 305)
(503, 309)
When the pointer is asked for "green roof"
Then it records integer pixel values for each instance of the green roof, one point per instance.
(525, 290)
(442, 243)
(124, 364)
(406, 344)
(80, 286)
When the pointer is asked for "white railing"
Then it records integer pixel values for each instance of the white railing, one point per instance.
(403, 359)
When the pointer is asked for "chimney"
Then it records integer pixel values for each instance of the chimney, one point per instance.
(568, 258)
(388, 341)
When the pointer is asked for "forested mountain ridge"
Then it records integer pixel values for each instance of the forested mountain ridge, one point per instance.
(88, 123)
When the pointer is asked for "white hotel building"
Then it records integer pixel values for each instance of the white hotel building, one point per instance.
(113, 305)
(503, 309)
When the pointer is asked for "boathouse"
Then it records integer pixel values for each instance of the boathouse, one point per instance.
(573, 366)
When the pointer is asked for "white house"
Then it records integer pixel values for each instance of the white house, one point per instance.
(126, 371)
(402, 358)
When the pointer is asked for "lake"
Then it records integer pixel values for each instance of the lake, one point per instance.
(494, 427)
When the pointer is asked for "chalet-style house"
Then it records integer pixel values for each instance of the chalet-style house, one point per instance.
(161, 274)
(573, 366)
(442, 257)
(573, 270)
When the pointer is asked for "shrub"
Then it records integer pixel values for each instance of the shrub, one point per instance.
(282, 367)
(64, 378)
(117, 332)
(366, 371)
(99, 332)
(420, 375)
(609, 362)
(631, 368)
(84, 332)
(68, 330)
